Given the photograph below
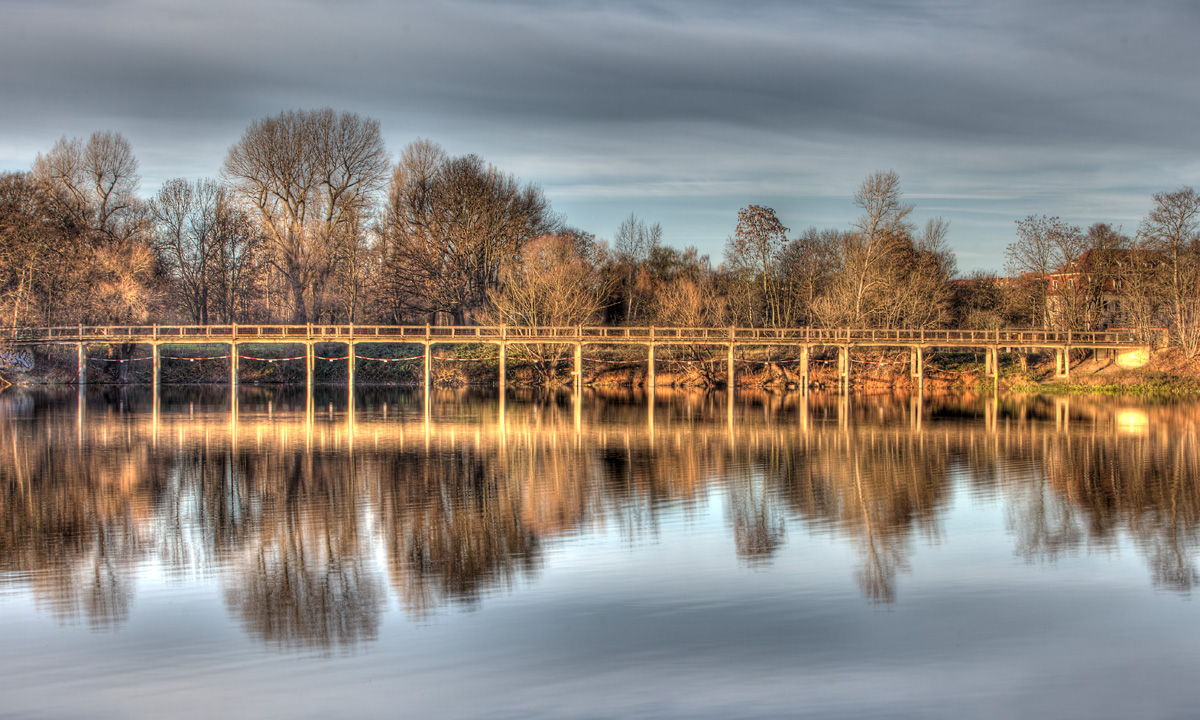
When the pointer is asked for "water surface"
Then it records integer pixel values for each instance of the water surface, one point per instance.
(601, 556)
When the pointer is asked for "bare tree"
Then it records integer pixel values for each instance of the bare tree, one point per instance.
(92, 188)
(211, 249)
(873, 259)
(918, 285)
(634, 244)
(311, 176)
(555, 282)
(752, 256)
(1142, 280)
(1173, 229)
(863, 278)
(94, 185)
(978, 302)
(35, 253)
(806, 267)
(1044, 247)
(450, 226)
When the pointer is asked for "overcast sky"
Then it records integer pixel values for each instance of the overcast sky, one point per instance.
(682, 111)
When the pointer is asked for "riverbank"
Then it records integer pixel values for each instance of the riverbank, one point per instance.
(1168, 373)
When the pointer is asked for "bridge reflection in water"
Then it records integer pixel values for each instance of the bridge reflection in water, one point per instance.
(313, 509)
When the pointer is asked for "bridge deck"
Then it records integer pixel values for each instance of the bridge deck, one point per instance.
(192, 334)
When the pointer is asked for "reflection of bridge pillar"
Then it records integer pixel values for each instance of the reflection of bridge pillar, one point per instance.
(650, 413)
(233, 415)
(310, 411)
(428, 410)
(1062, 413)
(916, 411)
(154, 419)
(578, 407)
(650, 368)
(501, 420)
(80, 411)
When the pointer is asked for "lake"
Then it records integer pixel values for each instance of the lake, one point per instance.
(595, 556)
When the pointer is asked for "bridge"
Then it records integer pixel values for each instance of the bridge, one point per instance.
(844, 340)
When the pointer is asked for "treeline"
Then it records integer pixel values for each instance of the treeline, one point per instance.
(311, 221)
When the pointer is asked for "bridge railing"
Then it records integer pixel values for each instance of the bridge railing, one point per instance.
(570, 333)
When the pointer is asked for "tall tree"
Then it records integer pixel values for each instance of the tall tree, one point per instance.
(634, 244)
(450, 226)
(34, 257)
(94, 185)
(211, 249)
(882, 226)
(1044, 247)
(92, 188)
(553, 282)
(919, 284)
(806, 268)
(877, 259)
(752, 255)
(1172, 229)
(311, 176)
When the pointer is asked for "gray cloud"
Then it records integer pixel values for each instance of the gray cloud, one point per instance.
(682, 111)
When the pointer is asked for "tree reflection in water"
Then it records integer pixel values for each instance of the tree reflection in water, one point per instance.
(306, 519)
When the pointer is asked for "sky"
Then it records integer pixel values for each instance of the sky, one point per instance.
(681, 111)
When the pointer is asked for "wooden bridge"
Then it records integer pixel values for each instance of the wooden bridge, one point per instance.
(844, 340)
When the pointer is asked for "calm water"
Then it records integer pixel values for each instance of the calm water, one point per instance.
(770, 557)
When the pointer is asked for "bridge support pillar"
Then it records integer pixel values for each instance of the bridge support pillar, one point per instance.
(844, 367)
(82, 377)
(428, 358)
(804, 368)
(916, 363)
(310, 363)
(233, 365)
(156, 360)
(350, 358)
(503, 368)
(731, 382)
(650, 368)
(993, 354)
(1062, 363)
(579, 366)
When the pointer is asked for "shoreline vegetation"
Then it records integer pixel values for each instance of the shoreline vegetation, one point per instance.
(312, 221)
(1168, 373)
